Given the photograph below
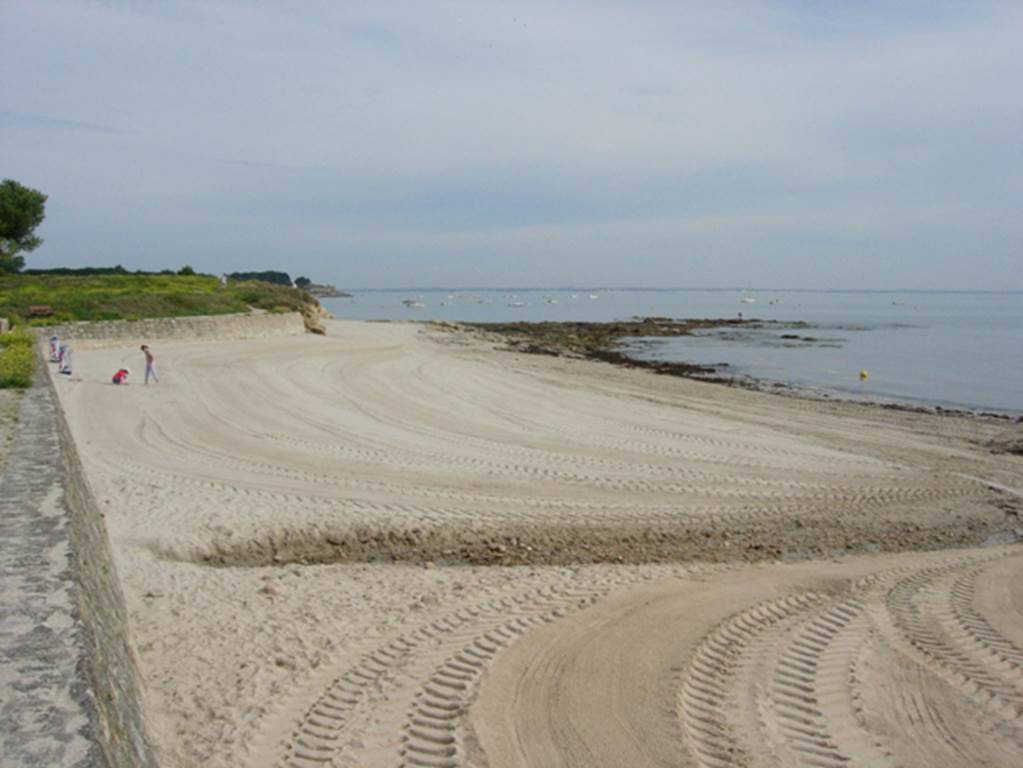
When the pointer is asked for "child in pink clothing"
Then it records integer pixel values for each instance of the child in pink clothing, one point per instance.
(150, 365)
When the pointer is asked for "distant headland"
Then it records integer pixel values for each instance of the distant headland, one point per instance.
(318, 290)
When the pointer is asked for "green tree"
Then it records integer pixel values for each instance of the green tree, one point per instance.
(21, 210)
(186, 271)
(303, 282)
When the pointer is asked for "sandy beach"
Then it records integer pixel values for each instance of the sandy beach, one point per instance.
(396, 545)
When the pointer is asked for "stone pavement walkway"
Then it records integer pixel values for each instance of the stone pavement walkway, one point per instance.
(44, 698)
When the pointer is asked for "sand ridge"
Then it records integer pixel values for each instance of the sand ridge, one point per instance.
(301, 526)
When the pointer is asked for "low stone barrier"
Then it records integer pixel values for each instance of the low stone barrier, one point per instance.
(253, 325)
(70, 695)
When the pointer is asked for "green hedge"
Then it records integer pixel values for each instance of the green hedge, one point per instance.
(126, 296)
(17, 359)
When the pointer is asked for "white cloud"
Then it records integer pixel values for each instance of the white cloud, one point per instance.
(730, 128)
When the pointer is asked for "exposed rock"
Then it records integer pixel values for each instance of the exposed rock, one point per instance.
(598, 341)
(313, 314)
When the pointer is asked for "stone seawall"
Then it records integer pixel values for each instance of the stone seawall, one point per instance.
(70, 695)
(112, 670)
(254, 325)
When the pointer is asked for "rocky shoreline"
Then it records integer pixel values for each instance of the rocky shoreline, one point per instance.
(602, 341)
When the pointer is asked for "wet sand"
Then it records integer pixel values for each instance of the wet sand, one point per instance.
(395, 546)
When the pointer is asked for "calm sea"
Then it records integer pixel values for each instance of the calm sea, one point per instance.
(961, 350)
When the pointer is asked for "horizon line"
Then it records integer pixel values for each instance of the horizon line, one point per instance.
(725, 289)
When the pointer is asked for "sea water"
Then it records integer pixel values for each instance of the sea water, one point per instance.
(957, 350)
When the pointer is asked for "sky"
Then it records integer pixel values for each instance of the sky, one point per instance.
(652, 143)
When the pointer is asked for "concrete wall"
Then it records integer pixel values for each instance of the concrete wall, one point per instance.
(254, 325)
(70, 694)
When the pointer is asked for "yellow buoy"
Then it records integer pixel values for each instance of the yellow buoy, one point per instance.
(864, 375)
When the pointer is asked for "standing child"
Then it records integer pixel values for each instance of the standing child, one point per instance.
(64, 358)
(150, 365)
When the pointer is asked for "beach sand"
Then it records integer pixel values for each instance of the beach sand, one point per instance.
(394, 545)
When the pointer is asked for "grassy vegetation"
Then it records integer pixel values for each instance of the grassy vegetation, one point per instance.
(134, 296)
(17, 360)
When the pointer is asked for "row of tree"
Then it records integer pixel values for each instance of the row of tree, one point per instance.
(267, 276)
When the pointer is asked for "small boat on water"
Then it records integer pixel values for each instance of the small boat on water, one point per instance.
(412, 303)
(594, 296)
(516, 304)
(748, 300)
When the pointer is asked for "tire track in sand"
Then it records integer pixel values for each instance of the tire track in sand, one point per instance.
(791, 680)
(450, 653)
